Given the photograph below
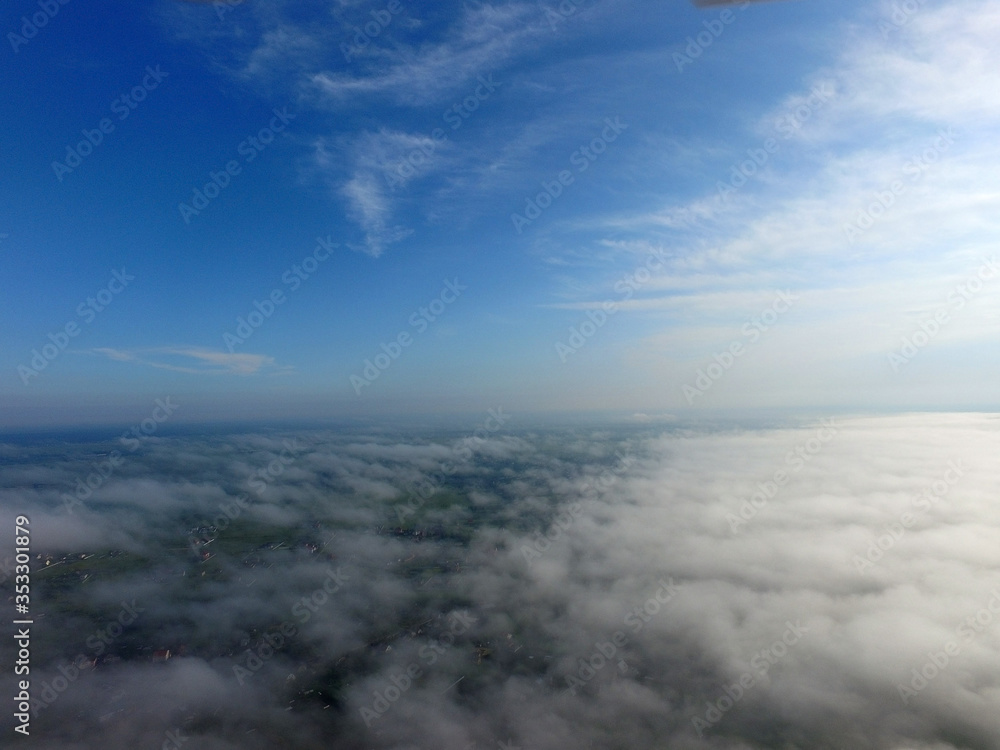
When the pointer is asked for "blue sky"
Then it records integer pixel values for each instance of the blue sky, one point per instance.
(791, 204)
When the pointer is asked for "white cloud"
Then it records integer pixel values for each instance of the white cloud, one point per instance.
(877, 538)
(482, 39)
(205, 361)
(913, 107)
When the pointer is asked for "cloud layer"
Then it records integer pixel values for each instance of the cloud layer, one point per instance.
(816, 585)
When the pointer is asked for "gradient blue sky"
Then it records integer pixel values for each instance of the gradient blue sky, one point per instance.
(858, 97)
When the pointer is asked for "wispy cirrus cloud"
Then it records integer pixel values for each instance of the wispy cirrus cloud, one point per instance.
(195, 360)
(310, 53)
(893, 104)
(311, 49)
(915, 107)
(911, 107)
(374, 162)
(481, 39)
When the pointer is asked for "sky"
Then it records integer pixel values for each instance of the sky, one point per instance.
(303, 209)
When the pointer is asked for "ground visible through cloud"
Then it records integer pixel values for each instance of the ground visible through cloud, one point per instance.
(827, 584)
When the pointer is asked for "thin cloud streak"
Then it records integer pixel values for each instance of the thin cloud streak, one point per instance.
(213, 362)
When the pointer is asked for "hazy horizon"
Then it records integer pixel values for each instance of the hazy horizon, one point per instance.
(583, 206)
